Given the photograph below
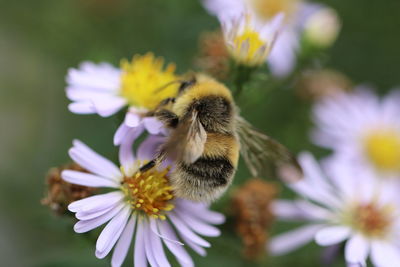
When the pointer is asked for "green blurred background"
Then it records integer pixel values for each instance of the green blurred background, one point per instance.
(41, 39)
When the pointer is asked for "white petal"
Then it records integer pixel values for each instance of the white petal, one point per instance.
(82, 107)
(149, 147)
(85, 95)
(385, 254)
(152, 125)
(154, 228)
(283, 55)
(139, 249)
(332, 235)
(93, 162)
(185, 231)
(356, 250)
(147, 245)
(201, 211)
(120, 134)
(126, 157)
(85, 226)
(298, 210)
(123, 244)
(198, 249)
(103, 200)
(179, 252)
(98, 77)
(158, 250)
(197, 225)
(289, 241)
(84, 216)
(112, 229)
(132, 119)
(104, 203)
(108, 106)
(86, 179)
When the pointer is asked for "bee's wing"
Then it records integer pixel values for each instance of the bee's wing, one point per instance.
(187, 141)
(265, 156)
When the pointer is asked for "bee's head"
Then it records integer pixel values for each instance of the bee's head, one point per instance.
(186, 84)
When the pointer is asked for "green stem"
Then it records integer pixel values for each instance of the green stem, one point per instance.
(242, 76)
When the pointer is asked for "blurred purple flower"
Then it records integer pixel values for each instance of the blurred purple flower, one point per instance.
(362, 128)
(284, 55)
(141, 203)
(338, 207)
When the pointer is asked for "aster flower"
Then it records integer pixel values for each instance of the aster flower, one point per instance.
(140, 205)
(337, 207)
(362, 128)
(104, 89)
(250, 42)
(283, 57)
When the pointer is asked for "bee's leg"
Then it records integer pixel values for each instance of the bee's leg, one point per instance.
(148, 166)
(167, 117)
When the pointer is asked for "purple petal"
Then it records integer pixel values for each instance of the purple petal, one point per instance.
(147, 245)
(120, 134)
(184, 230)
(132, 119)
(101, 200)
(84, 216)
(85, 226)
(198, 249)
(126, 155)
(108, 106)
(123, 244)
(201, 211)
(179, 252)
(139, 250)
(113, 229)
(152, 125)
(158, 250)
(154, 228)
(291, 240)
(197, 225)
(356, 250)
(332, 235)
(87, 179)
(149, 147)
(93, 162)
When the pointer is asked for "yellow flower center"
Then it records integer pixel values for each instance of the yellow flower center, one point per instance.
(149, 192)
(383, 149)
(267, 9)
(370, 220)
(144, 81)
(249, 49)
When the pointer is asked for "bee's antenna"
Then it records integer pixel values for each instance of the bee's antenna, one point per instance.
(167, 84)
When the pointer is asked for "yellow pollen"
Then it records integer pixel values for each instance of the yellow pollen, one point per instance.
(151, 194)
(383, 149)
(248, 47)
(143, 80)
(370, 220)
(268, 9)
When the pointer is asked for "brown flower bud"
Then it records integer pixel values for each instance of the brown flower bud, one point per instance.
(315, 84)
(61, 193)
(253, 217)
(213, 57)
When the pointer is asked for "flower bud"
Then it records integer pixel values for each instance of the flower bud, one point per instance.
(322, 28)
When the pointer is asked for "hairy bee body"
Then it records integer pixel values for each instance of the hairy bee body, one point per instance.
(206, 138)
(211, 174)
(205, 175)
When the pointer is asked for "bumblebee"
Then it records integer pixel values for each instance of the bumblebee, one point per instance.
(207, 135)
